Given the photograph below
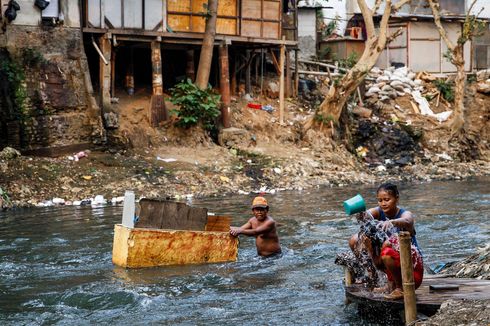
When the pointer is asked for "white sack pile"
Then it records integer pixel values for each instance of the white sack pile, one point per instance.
(394, 82)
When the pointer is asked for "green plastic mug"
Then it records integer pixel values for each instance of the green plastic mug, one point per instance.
(354, 205)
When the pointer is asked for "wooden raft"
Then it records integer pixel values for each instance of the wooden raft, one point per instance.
(428, 301)
(171, 233)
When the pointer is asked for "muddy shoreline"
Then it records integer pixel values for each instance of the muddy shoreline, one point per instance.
(38, 181)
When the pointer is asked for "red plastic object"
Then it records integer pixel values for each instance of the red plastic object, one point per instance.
(254, 106)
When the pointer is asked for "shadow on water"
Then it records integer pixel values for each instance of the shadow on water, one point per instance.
(56, 267)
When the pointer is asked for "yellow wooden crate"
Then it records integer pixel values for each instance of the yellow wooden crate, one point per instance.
(144, 247)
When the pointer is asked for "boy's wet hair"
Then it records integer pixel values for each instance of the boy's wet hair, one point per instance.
(389, 188)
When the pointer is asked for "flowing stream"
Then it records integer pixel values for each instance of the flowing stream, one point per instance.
(55, 263)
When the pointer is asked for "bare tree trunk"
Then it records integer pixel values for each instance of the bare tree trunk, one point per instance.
(458, 121)
(206, 57)
(470, 29)
(340, 91)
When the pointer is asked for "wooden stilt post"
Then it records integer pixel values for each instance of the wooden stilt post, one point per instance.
(105, 72)
(288, 74)
(281, 83)
(113, 73)
(296, 72)
(225, 85)
(407, 277)
(190, 70)
(130, 73)
(157, 107)
(233, 82)
(248, 82)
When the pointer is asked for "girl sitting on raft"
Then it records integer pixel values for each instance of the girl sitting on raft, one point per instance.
(381, 240)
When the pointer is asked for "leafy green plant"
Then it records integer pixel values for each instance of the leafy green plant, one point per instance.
(17, 87)
(32, 57)
(446, 89)
(323, 119)
(5, 197)
(350, 61)
(196, 105)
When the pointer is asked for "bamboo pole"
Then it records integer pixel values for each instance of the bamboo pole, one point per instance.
(281, 83)
(407, 278)
(348, 277)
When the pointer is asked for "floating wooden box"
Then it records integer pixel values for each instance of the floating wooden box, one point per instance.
(140, 247)
(170, 233)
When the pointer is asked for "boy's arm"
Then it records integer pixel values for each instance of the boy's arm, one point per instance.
(266, 227)
(235, 231)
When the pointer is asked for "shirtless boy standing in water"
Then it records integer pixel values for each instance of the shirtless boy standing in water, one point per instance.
(262, 227)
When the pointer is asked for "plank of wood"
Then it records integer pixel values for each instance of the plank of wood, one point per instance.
(427, 301)
(415, 107)
(218, 223)
(170, 215)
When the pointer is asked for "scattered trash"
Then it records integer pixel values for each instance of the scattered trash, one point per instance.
(98, 200)
(58, 201)
(166, 160)
(381, 168)
(444, 156)
(224, 179)
(277, 170)
(267, 108)
(247, 97)
(76, 157)
(361, 151)
(9, 153)
(117, 200)
(87, 177)
(254, 106)
(426, 110)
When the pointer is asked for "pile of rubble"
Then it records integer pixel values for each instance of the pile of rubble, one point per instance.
(460, 312)
(475, 266)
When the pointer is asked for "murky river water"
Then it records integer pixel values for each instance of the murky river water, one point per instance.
(55, 264)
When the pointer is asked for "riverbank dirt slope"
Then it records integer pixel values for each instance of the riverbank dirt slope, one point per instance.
(259, 154)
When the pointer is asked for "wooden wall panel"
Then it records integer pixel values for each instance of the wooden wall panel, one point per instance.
(271, 30)
(227, 8)
(199, 6)
(179, 23)
(226, 26)
(250, 28)
(272, 10)
(251, 8)
(198, 24)
(179, 5)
